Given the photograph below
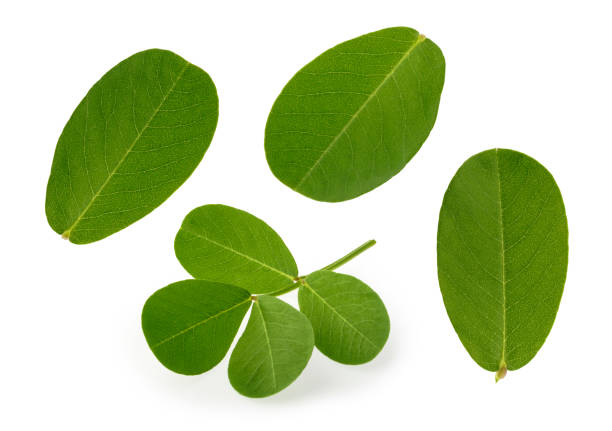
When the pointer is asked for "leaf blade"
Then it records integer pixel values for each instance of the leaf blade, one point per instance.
(190, 325)
(333, 132)
(502, 256)
(137, 135)
(227, 245)
(273, 350)
(346, 300)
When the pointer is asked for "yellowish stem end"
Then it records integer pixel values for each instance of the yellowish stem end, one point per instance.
(501, 373)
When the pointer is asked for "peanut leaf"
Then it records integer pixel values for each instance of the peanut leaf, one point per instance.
(190, 325)
(502, 257)
(227, 245)
(273, 350)
(353, 117)
(349, 319)
(138, 134)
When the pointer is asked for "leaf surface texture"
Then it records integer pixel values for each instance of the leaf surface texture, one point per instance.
(273, 350)
(352, 118)
(227, 245)
(138, 134)
(502, 256)
(349, 319)
(190, 325)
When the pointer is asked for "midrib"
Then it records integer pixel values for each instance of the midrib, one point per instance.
(416, 43)
(265, 328)
(195, 325)
(338, 314)
(502, 361)
(245, 256)
(68, 231)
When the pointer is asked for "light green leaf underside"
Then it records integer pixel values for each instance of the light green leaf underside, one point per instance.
(190, 325)
(352, 118)
(137, 135)
(273, 350)
(349, 319)
(227, 245)
(502, 256)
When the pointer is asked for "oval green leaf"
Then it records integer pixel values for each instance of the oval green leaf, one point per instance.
(349, 319)
(138, 134)
(273, 350)
(502, 256)
(190, 325)
(353, 117)
(225, 244)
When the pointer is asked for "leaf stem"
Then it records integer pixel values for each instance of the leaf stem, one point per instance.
(353, 254)
(501, 373)
(295, 285)
(298, 281)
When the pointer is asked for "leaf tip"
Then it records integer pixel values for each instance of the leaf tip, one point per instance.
(501, 373)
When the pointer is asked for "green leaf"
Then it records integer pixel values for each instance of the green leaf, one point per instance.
(353, 117)
(137, 135)
(502, 256)
(273, 351)
(349, 319)
(190, 325)
(224, 244)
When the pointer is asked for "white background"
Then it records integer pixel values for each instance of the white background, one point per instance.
(534, 76)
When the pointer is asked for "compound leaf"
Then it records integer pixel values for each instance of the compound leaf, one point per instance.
(273, 350)
(137, 135)
(190, 325)
(349, 319)
(224, 244)
(353, 117)
(502, 256)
